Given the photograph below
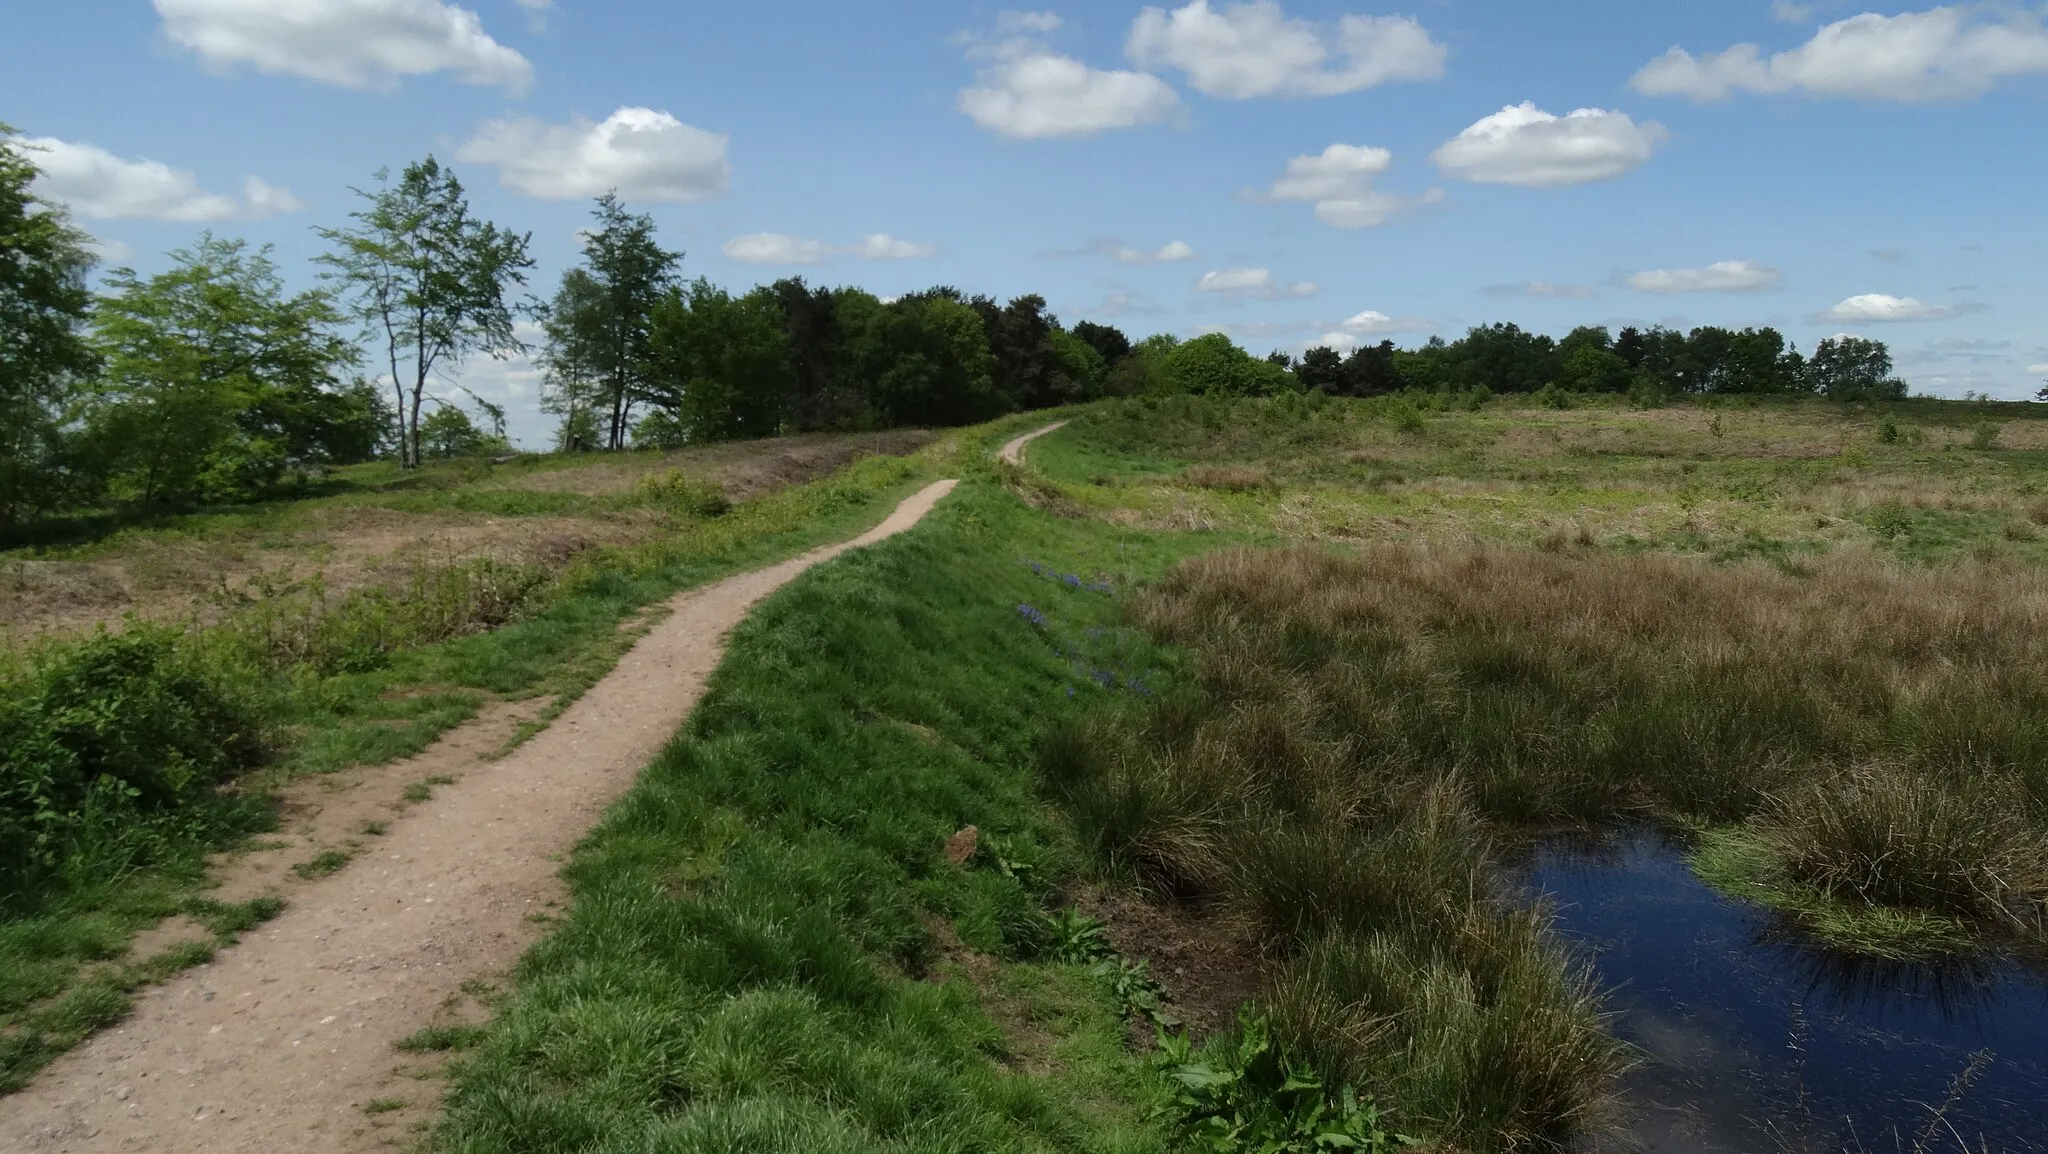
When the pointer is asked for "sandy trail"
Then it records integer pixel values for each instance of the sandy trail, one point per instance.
(1013, 453)
(282, 1042)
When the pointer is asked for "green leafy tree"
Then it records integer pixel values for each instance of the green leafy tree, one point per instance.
(923, 360)
(44, 304)
(218, 381)
(427, 279)
(719, 364)
(1213, 365)
(1107, 340)
(1142, 372)
(1853, 369)
(600, 325)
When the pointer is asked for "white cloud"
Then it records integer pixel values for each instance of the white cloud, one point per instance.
(1887, 255)
(1339, 180)
(1256, 283)
(774, 248)
(882, 246)
(99, 185)
(1788, 12)
(1358, 329)
(1542, 288)
(353, 43)
(263, 198)
(1116, 250)
(1374, 323)
(1040, 94)
(638, 153)
(1012, 23)
(2041, 368)
(1725, 276)
(1253, 49)
(1524, 145)
(779, 248)
(1881, 308)
(1942, 53)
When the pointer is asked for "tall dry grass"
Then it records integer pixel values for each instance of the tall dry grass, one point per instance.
(1361, 723)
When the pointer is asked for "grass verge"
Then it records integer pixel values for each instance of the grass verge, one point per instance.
(767, 947)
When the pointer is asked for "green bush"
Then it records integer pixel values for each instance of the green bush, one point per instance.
(122, 730)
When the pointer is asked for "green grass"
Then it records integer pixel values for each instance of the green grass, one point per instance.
(105, 891)
(66, 973)
(748, 961)
(1743, 866)
(321, 865)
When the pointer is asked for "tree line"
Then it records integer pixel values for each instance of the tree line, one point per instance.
(213, 382)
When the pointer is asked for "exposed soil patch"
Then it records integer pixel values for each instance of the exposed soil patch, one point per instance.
(1206, 965)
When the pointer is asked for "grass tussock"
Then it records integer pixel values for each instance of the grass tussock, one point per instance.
(1359, 726)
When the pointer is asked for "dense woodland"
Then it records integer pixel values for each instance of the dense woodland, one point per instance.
(214, 382)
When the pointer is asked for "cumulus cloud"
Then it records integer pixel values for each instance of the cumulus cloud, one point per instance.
(1254, 49)
(1883, 308)
(1524, 145)
(1940, 54)
(1252, 283)
(1788, 12)
(353, 43)
(2040, 368)
(1029, 92)
(639, 153)
(1044, 95)
(1339, 182)
(1542, 288)
(99, 185)
(1724, 276)
(779, 248)
(1358, 328)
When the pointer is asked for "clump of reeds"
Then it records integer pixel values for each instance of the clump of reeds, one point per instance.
(1893, 835)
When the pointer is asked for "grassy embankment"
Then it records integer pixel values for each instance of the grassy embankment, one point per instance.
(767, 948)
(130, 757)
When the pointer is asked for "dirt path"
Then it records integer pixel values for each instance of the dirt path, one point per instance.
(1013, 453)
(285, 1041)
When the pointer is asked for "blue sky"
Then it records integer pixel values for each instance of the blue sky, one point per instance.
(1289, 172)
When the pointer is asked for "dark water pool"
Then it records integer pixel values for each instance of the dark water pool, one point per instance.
(1754, 1040)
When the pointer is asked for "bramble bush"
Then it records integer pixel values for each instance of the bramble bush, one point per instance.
(110, 752)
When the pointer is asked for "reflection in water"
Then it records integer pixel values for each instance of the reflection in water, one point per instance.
(1755, 1040)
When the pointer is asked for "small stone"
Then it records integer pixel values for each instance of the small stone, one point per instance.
(121, 1095)
(960, 847)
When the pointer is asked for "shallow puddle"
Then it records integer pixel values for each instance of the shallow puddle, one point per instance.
(1753, 1040)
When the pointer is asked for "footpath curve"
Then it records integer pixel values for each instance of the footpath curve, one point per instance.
(284, 1042)
(1013, 452)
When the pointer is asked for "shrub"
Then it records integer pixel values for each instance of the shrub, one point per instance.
(123, 729)
(682, 493)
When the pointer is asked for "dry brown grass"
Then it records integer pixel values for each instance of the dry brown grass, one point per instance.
(166, 577)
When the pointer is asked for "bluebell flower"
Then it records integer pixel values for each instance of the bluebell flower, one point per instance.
(1031, 615)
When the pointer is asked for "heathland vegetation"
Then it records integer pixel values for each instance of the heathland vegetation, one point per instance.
(1295, 651)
